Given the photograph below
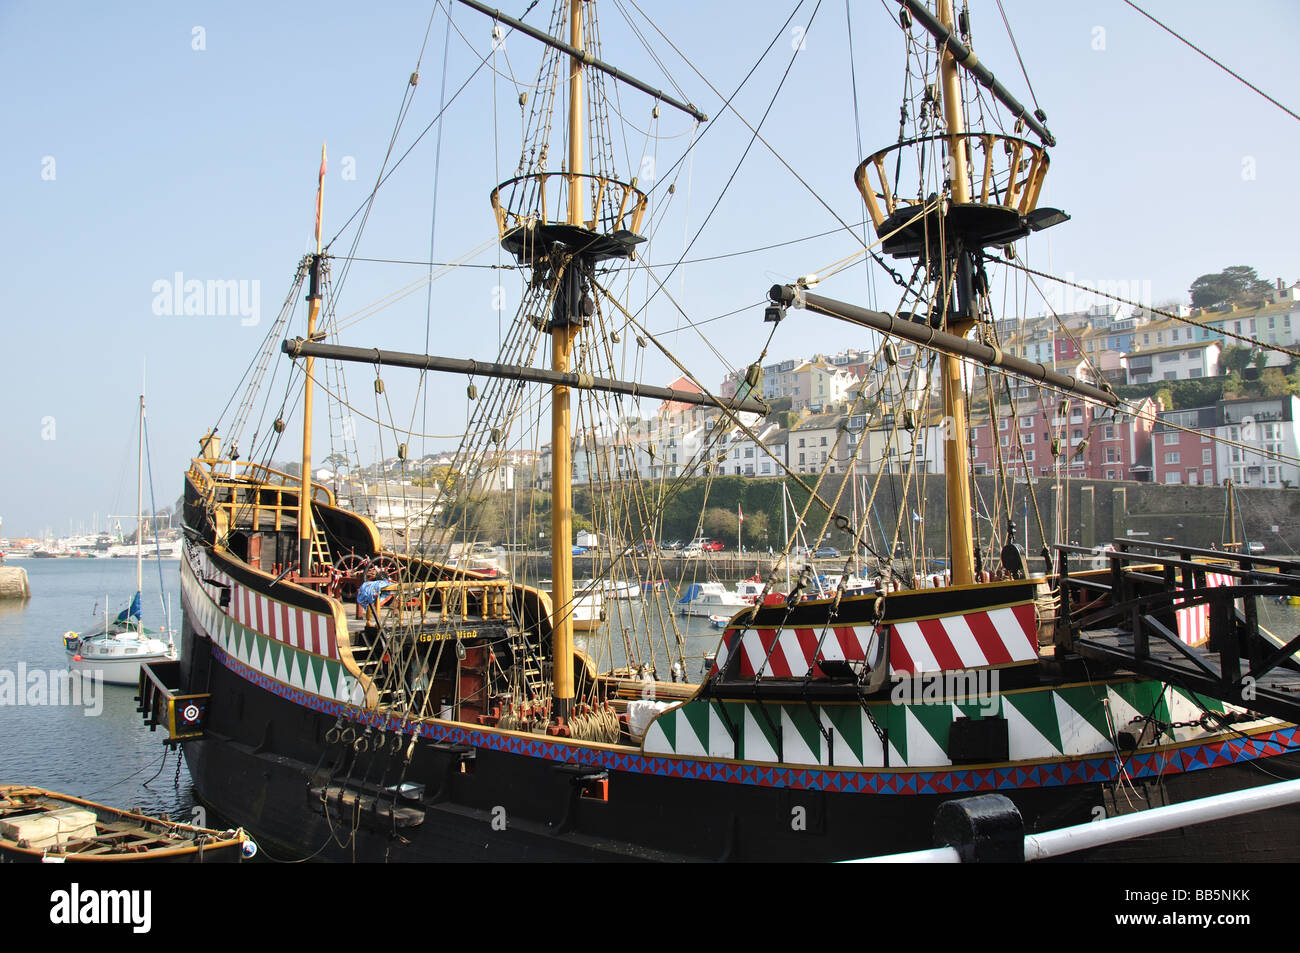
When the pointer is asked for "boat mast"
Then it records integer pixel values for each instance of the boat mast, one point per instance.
(562, 338)
(313, 311)
(960, 322)
(139, 507)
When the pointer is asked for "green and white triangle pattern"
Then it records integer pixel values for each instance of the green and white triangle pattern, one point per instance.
(757, 743)
(799, 748)
(1079, 735)
(1027, 737)
(1075, 721)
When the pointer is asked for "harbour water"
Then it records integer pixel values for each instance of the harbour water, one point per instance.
(97, 748)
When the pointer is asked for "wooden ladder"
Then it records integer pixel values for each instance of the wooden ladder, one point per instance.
(320, 549)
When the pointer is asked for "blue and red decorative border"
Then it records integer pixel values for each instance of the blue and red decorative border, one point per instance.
(953, 780)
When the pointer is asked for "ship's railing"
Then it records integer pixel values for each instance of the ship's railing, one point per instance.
(461, 599)
(1003, 170)
(542, 198)
(1145, 605)
(209, 472)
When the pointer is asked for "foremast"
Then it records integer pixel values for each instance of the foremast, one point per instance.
(305, 526)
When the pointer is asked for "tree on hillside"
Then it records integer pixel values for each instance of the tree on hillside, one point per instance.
(1236, 284)
(1234, 360)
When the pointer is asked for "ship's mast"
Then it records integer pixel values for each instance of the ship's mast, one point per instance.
(309, 366)
(139, 504)
(562, 337)
(991, 202)
(960, 322)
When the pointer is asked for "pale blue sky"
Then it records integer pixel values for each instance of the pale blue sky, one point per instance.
(166, 159)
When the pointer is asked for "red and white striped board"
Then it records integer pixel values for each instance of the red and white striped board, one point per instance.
(970, 640)
(1194, 621)
(307, 631)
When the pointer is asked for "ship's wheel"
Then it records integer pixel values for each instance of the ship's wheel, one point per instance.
(388, 567)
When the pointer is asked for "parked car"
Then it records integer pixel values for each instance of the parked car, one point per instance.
(672, 546)
(713, 546)
(826, 552)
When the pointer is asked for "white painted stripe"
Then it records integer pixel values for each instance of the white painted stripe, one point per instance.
(831, 650)
(752, 646)
(917, 647)
(1022, 645)
(720, 657)
(788, 644)
(963, 640)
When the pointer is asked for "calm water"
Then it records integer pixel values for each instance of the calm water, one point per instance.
(108, 757)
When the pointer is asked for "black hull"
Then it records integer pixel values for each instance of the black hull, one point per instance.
(266, 770)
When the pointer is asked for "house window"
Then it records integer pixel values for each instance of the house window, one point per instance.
(1026, 421)
(1002, 424)
(823, 441)
(1205, 456)
(801, 459)
(1171, 458)
(1171, 438)
(1029, 456)
(1110, 433)
(1174, 478)
(801, 444)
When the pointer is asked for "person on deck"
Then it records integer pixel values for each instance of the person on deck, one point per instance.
(368, 595)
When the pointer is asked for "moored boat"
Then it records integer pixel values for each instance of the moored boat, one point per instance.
(40, 826)
(115, 650)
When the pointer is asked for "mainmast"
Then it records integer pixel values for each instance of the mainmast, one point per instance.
(960, 321)
(987, 202)
(562, 337)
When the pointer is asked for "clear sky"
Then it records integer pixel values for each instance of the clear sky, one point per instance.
(145, 140)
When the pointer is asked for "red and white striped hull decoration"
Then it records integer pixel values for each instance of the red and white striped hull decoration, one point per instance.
(303, 630)
(790, 652)
(972, 640)
(1194, 621)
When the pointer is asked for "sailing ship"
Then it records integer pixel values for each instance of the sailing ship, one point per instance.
(460, 721)
(116, 650)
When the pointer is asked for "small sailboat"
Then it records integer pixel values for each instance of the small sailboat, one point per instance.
(116, 650)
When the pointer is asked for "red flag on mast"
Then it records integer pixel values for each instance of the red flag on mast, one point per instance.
(320, 192)
(740, 516)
